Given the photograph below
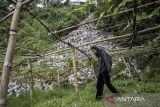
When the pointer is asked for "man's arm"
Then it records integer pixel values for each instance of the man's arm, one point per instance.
(106, 59)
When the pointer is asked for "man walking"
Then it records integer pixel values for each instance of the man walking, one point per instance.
(105, 69)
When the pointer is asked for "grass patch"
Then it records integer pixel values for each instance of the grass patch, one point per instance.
(67, 97)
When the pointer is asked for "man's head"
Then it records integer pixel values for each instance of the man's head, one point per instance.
(95, 50)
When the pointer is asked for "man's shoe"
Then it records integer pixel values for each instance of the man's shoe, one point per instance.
(98, 98)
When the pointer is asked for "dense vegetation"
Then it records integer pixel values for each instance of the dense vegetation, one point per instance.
(32, 38)
(146, 17)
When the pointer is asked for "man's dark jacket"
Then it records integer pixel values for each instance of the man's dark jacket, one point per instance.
(105, 61)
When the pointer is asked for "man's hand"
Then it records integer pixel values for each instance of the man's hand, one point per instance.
(111, 74)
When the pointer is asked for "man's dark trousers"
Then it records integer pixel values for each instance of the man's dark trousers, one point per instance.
(104, 78)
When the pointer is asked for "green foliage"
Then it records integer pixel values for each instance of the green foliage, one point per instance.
(151, 72)
(66, 96)
(118, 67)
(3, 8)
(148, 58)
(59, 18)
(146, 17)
(32, 37)
(132, 86)
(43, 72)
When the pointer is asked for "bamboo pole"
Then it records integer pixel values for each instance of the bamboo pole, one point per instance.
(135, 33)
(58, 82)
(58, 78)
(0, 77)
(55, 52)
(58, 51)
(25, 78)
(93, 69)
(6, 17)
(75, 70)
(9, 56)
(31, 79)
(128, 67)
(31, 90)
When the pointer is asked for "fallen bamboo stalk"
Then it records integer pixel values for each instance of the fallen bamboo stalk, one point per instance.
(120, 37)
(6, 17)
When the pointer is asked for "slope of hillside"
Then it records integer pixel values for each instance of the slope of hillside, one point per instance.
(66, 97)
